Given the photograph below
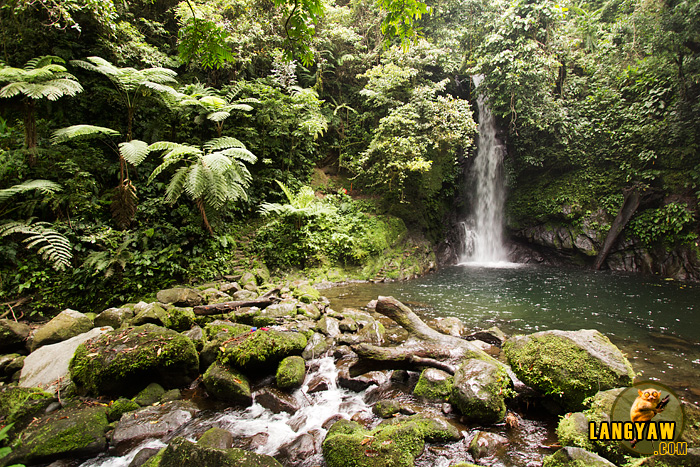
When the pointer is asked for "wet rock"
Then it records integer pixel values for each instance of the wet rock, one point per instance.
(492, 336)
(318, 384)
(183, 452)
(291, 373)
(386, 408)
(227, 384)
(171, 395)
(329, 326)
(151, 422)
(306, 293)
(356, 383)
(118, 362)
(114, 317)
(328, 423)
(451, 326)
(69, 433)
(142, 456)
(263, 350)
(573, 457)
(348, 325)
(10, 363)
(285, 308)
(48, 366)
(277, 401)
(12, 335)
(691, 432)
(310, 310)
(317, 346)
(248, 278)
(180, 296)
(297, 422)
(196, 335)
(216, 438)
(369, 330)
(20, 405)
(478, 391)
(394, 442)
(486, 444)
(300, 449)
(120, 407)
(149, 395)
(573, 365)
(68, 323)
(434, 384)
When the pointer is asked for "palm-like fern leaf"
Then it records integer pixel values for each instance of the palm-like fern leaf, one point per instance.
(53, 247)
(134, 151)
(81, 131)
(43, 186)
(224, 142)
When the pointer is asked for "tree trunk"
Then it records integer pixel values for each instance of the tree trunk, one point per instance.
(203, 212)
(629, 207)
(30, 136)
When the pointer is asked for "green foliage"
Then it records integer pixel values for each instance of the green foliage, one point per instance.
(205, 42)
(6, 450)
(670, 225)
(400, 20)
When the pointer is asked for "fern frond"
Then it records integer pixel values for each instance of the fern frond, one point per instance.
(161, 88)
(53, 247)
(239, 106)
(219, 116)
(287, 193)
(176, 185)
(217, 162)
(196, 183)
(224, 142)
(241, 154)
(134, 151)
(212, 101)
(81, 131)
(43, 186)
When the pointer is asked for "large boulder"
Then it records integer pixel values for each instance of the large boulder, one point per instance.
(262, 350)
(151, 422)
(479, 390)
(180, 296)
(12, 335)
(291, 372)
(434, 384)
(183, 452)
(69, 433)
(114, 317)
(568, 365)
(227, 384)
(68, 323)
(47, 367)
(395, 442)
(124, 361)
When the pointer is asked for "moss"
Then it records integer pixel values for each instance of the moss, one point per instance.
(19, 405)
(120, 407)
(386, 408)
(306, 293)
(155, 460)
(179, 319)
(228, 385)
(479, 390)
(262, 350)
(291, 372)
(149, 395)
(183, 452)
(558, 367)
(435, 389)
(118, 361)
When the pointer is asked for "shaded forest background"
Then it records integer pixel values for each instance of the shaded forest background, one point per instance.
(328, 137)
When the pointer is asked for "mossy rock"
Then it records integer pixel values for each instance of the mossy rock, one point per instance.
(569, 366)
(262, 350)
(479, 390)
(434, 384)
(394, 443)
(20, 405)
(306, 293)
(180, 296)
(575, 457)
(119, 407)
(118, 362)
(291, 372)
(114, 317)
(150, 313)
(217, 438)
(216, 333)
(183, 452)
(149, 395)
(227, 384)
(12, 335)
(572, 429)
(317, 346)
(68, 323)
(68, 433)
(248, 278)
(386, 408)
(179, 319)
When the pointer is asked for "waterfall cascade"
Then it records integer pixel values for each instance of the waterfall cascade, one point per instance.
(483, 232)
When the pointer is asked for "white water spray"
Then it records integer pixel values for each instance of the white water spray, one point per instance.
(483, 233)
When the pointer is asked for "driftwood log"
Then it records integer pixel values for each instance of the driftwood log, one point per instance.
(425, 347)
(219, 308)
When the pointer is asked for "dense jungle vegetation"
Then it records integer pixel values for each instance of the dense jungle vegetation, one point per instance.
(147, 143)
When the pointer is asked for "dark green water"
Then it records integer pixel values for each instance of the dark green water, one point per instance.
(655, 322)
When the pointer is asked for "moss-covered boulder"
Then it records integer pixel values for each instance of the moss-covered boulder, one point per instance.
(114, 317)
(291, 372)
(73, 433)
(180, 296)
(570, 366)
(12, 335)
(20, 405)
(215, 334)
(149, 395)
(306, 293)
(120, 362)
(262, 350)
(572, 429)
(227, 384)
(183, 452)
(386, 408)
(179, 318)
(317, 346)
(217, 438)
(575, 457)
(479, 391)
(434, 384)
(395, 442)
(68, 323)
(248, 278)
(119, 407)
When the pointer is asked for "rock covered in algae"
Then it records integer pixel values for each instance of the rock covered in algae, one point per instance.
(291, 372)
(120, 362)
(183, 452)
(434, 384)
(262, 350)
(568, 365)
(227, 384)
(479, 391)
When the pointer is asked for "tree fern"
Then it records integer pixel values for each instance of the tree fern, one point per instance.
(300, 205)
(52, 246)
(42, 186)
(79, 132)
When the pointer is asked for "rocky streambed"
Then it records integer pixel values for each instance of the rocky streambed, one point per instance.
(249, 373)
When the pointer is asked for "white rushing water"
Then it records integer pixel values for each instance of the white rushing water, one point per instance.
(483, 233)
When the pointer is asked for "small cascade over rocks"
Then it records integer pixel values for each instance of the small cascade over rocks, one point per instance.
(482, 233)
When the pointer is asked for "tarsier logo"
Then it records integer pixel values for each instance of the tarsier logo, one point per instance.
(646, 418)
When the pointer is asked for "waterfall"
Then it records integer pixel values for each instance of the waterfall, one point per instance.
(483, 232)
